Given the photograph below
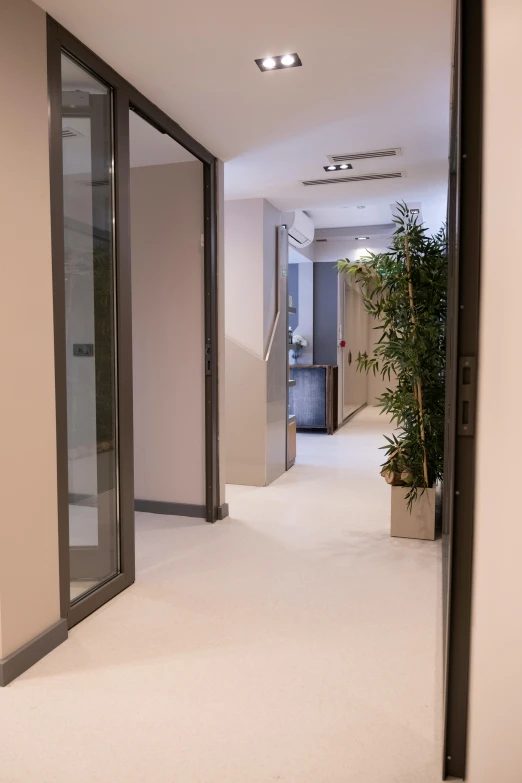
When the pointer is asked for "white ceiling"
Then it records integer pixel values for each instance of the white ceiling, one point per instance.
(375, 75)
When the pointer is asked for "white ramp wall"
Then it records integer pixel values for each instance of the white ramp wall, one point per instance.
(255, 351)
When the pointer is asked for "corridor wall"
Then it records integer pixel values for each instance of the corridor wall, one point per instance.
(495, 725)
(255, 344)
(329, 253)
(29, 571)
(168, 333)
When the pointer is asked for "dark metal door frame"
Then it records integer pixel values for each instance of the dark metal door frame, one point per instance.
(125, 97)
(464, 237)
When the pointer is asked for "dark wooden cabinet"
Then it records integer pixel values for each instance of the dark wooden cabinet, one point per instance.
(313, 399)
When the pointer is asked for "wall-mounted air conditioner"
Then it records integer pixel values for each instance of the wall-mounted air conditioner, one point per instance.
(300, 228)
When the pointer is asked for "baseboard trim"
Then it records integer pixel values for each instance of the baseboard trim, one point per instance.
(177, 509)
(354, 413)
(32, 652)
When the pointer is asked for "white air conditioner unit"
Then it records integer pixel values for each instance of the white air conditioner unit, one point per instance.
(300, 228)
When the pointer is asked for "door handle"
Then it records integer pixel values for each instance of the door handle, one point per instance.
(349, 358)
(466, 395)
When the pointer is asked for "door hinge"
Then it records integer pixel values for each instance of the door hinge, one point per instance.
(467, 395)
(208, 359)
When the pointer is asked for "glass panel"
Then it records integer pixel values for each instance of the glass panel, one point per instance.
(90, 328)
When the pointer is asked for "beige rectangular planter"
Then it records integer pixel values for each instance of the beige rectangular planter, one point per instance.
(420, 523)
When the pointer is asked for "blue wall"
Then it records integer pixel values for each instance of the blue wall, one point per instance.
(325, 313)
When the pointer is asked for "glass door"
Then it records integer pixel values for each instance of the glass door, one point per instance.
(90, 327)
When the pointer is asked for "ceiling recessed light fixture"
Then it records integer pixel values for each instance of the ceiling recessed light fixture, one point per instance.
(361, 207)
(280, 62)
(360, 239)
(414, 211)
(342, 166)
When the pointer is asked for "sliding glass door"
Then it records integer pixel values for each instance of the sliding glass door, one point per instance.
(91, 336)
(91, 228)
(93, 345)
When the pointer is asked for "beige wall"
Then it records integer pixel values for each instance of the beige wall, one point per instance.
(29, 580)
(331, 252)
(221, 324)
(245, 416)
(277, 353)
(244, 274)
(495, 747)
(271, 219)
(255, 378)
(168, 332)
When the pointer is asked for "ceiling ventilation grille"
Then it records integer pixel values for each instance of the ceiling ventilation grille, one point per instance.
(70, 133)
(361, 178)
(393, 152)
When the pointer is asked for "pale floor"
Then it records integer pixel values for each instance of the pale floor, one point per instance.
(293, 642)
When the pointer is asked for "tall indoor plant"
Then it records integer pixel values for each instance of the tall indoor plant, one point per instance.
(404, 289)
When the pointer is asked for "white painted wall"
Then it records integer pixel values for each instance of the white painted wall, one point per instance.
(29, 579)
(495, 728)
(168, 332)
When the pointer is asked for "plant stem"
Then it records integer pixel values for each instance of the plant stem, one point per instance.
(418, 385)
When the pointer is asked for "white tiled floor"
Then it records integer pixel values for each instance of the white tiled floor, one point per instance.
(294, 641)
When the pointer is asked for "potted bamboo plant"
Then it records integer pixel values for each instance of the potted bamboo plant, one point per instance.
(405, 291)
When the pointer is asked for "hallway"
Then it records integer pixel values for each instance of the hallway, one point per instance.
(295, 641)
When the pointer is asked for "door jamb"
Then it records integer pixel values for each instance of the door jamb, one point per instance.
(460, 479)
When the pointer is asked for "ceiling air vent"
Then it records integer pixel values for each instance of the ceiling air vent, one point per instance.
(393, 152)
(71, 133)
(361, 178)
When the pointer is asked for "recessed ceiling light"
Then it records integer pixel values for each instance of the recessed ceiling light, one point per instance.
(361, 207)
(361, 238)
(338, 167)
(414, 211)
(279, 62)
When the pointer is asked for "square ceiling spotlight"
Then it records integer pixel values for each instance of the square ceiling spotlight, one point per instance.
(414, 211)
(338, 167)
(282, 61)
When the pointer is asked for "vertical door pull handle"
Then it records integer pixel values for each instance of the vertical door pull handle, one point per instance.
(467, 392)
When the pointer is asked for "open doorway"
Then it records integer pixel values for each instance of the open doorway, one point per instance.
(167, 261)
